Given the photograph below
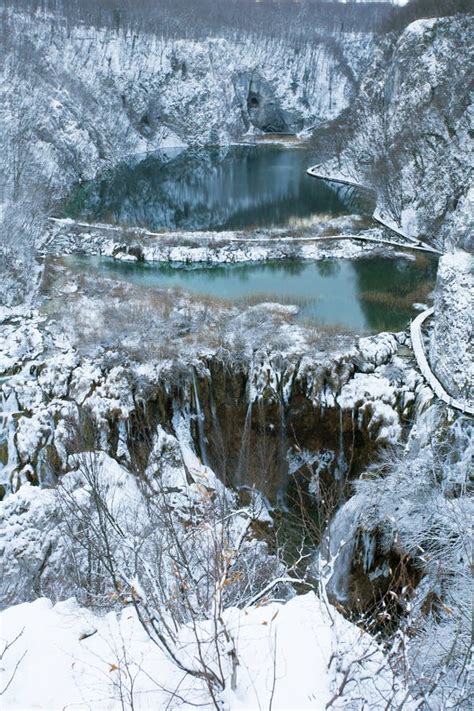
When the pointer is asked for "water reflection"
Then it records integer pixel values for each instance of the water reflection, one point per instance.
(328, 267)
(234, 187)
(367, 295)
(393, 287)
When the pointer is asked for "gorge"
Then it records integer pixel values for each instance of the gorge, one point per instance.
(225, 480)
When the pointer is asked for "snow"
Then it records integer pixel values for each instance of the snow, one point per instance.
(218, 247)
(363, 387)
(451, 354)
(291, 654)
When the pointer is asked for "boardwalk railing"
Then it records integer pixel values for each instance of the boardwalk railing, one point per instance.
(413, 242)
(424, 366)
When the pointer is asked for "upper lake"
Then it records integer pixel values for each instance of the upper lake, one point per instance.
(218, 188)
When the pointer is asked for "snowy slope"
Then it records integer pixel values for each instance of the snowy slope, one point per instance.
(292, 656)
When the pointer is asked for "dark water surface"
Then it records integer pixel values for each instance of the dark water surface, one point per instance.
(233, 187)
(366, 295)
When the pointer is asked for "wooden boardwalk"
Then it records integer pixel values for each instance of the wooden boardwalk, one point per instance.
(424, 366)
(411, 242)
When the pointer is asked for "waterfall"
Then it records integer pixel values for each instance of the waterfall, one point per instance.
(200, 424)
(341, 459)
(281, 493)
(244, 446)
(122, 444)
(337, 550)
(45, 476)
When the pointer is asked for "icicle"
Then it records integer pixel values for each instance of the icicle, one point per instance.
(368, 547)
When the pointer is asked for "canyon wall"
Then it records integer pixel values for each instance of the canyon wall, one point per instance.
(409, 131)
(451, 344)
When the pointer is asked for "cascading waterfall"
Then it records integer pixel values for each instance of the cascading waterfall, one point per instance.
(244, 446)
(337, 551)
(200, 423)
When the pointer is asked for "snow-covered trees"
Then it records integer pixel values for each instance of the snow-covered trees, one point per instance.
(174, 544)
(399, 552)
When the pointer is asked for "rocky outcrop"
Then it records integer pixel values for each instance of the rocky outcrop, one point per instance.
(409, 132)
(451, 343)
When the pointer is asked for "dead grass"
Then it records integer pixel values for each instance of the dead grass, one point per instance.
(326, 337)
(272, 298)
(400, 300)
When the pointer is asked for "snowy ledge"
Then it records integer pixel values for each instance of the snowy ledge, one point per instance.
(342, 237)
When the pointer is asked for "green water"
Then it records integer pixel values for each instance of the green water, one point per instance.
(366, 295)
(233, 187)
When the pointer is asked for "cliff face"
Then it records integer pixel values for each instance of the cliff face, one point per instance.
(451, 346)
(88, 97)
(413, 117)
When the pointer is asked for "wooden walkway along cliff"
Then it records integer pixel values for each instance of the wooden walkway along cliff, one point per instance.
(424, 366)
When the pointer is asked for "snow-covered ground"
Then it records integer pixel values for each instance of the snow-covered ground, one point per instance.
(290, 656)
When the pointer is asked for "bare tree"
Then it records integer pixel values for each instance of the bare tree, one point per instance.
(7, 647)
(179, 558)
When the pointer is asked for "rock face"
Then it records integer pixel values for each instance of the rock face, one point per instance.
(265, 112)
(451, 347)
(412, 119)
(119, 94)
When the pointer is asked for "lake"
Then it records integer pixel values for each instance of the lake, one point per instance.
(217, 188)
(366, 295)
